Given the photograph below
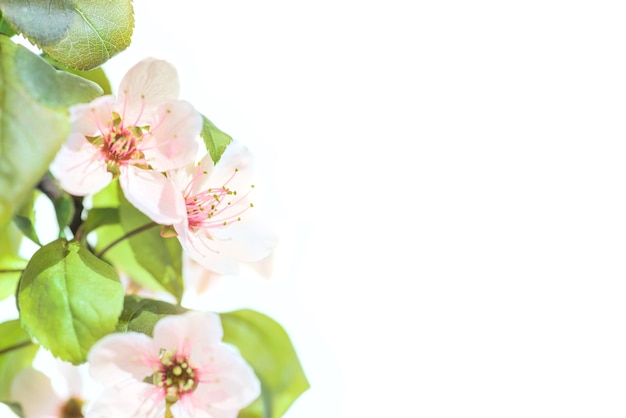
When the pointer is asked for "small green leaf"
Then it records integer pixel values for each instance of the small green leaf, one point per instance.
(17, 352)
(69, 299)
(266, 346)
(140, 314)
(80, 33)
(64, 208)
(98, 217)
(16, 408)
(24, 218)
(34, 120)
(215, 140)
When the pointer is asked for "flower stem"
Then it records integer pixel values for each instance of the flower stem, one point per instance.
(3, 271)
(15, 347)
(126, 236)
(168, 412)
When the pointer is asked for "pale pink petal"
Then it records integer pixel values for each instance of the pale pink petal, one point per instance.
(80, 172)
(190, 333)
(173, 140)
(33, 390)
(206, 251)
(230, 382)
(72, 377)
(224, 248)
(120, 357)
(146, 86)
(246, 240)
(235, 157)
(132, 399)
(91, 119)
(153, 194)
(185, 408)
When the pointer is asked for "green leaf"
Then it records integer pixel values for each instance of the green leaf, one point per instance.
(11, 263)
(17, 352)
(160, 257)
(24, 219)
(266, 346)
(215, 140)
(141, 314)
(97, 217)
(16, 408)
(96, 75)
(64, 208)
(5, 28)
(80, 33)
(69, 299)
(34, 120)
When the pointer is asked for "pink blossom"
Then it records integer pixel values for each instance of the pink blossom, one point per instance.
(185, 368)
(146, 130)
(220, 229)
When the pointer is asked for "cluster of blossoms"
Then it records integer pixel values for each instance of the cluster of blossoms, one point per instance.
(150, 140)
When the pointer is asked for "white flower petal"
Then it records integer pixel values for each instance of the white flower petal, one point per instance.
(145, 87)
(153, 194)
(33, 390)
(80, 172)
(173, 139)
(119, 357)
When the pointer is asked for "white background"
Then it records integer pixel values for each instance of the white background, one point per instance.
(450, 178)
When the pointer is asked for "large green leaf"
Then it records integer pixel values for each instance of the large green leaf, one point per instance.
(34, 119)
(80, 33)
(69, 299)
(215, 140)
(16, 353)
(266, 346)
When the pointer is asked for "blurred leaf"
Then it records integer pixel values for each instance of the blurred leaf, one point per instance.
(141, 314)
(12, 361)
(121, 256)
(215, 140)
(24, 218)
(160, 257)
(5, 28)
(267, 348)
(96, 75)
(80, 33)
(64, 208)
(34, 122)
(97, 217)
(10, 240)
(69, 299)
(16, 408)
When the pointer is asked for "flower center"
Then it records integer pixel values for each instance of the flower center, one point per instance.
(176, 376)
(215, 207)
(72, 409)
(118, 144)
